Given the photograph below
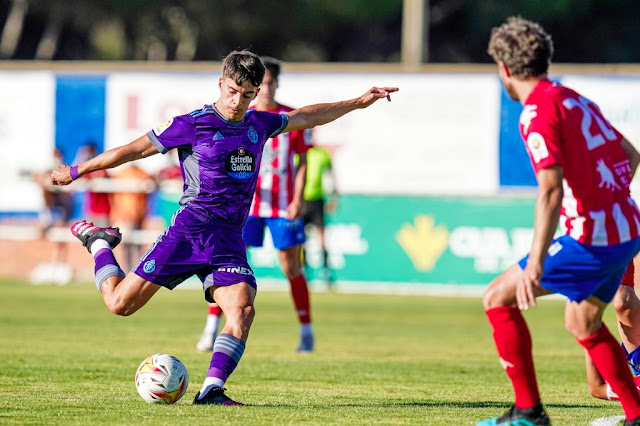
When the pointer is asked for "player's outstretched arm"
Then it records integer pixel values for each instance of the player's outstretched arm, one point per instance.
(139, 148)
(315, 115)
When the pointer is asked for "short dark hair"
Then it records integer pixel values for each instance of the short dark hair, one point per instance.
(272, 65)
(523, 46)
(243, 65)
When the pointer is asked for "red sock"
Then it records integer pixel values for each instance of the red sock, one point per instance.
(610, 361)
(214, 310)
(300, 294)
(513, 341)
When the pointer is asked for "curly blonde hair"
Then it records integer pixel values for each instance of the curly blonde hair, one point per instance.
(523, 46)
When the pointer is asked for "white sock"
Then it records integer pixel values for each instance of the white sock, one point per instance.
(209, 383)
(98, 245)
(306, 330)
(211, 326)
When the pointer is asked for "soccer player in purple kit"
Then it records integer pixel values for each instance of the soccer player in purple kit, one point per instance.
(220, 149)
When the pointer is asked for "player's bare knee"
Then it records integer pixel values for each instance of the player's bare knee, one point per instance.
(291, 270)
(622, 302)
(119, 307)
(492, 297)
(598, 392)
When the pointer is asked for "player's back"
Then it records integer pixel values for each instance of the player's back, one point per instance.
(563, 128)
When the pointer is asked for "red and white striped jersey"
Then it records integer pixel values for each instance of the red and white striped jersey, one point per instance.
(561, 127)
(275, 187)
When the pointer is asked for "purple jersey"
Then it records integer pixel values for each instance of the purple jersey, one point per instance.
(220, 159)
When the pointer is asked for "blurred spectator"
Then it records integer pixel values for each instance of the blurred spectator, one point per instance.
(57, 203)
(129, 207)
(56, 212)
(97, 205)
(317, 204)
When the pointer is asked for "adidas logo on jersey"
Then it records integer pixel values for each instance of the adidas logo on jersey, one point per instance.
(218, 136)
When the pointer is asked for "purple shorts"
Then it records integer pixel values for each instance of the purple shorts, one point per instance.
(196, 243)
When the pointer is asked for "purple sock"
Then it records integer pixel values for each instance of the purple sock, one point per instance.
(227, 351)
(106, 266)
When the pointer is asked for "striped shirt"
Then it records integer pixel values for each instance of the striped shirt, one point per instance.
(562, 128)
(276, 181)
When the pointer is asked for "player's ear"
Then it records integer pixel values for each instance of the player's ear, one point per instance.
(503, 69)
(220, 83)
(257, 91)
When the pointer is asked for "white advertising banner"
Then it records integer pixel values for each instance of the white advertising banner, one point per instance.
(139, 102)
(439, 134)
(27, 116)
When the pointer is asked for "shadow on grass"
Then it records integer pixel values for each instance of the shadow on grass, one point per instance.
(455, 404)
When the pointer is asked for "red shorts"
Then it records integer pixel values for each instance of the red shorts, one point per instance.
(627, 278)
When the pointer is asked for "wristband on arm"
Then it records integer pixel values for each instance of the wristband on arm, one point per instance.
(74, 173)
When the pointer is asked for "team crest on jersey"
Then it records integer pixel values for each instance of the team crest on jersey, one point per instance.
(240, 164)
(149, 266)
(607, 179)
(537, 146)
(252, 134)
(159, 130)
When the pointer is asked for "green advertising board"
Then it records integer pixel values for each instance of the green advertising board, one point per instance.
(443, 240)
(419, 241)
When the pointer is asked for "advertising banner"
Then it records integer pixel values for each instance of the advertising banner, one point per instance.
(434, 128)
(416, 240)
(26, 137)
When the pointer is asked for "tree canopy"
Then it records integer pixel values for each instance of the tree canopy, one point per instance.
(584, 31)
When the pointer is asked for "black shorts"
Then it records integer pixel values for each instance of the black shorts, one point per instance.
(314, 212)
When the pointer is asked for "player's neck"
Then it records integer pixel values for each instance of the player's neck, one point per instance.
(269, 105)
(525, 86)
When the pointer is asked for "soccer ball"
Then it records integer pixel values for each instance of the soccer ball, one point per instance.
(162, 379)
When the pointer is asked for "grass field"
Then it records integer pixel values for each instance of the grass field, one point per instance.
(379, 359)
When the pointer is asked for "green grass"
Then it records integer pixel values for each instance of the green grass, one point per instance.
(379, 360)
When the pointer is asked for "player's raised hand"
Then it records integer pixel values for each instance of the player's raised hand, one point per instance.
(376, 93)
(61, 175)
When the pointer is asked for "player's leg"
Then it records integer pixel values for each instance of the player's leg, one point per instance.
(288, 238)
(252, 235)
(211, 326)
(236, 301)
(627, 308)
(584, 321)
(123, 295)
(319, 221)
(292, 268)
(513, 343)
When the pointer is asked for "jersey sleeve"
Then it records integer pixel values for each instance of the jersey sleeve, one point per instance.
(542, 137)
(180, 131)
(276, 123)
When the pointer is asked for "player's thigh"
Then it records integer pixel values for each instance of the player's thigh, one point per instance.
(253, 231)
(290, 260)
(234, 300)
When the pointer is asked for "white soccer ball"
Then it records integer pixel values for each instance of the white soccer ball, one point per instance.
(162, 379)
